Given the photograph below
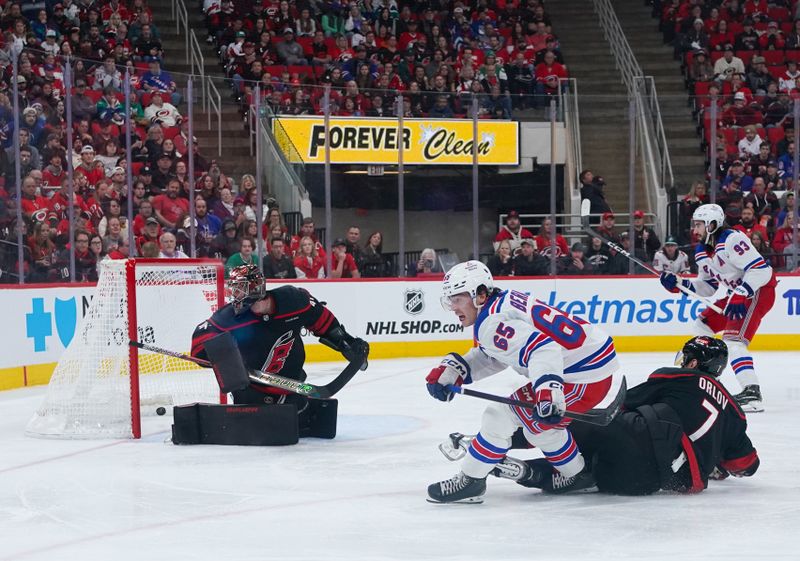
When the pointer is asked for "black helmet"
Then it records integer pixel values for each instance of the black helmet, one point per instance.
(246, 283)
(711, 354)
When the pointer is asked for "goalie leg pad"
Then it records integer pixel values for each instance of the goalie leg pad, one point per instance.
(319, 418)
(229, 368)
(243, 425)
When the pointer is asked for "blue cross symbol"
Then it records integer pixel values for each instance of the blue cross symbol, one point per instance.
(39, 325)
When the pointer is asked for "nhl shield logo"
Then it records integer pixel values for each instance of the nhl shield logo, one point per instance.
(414, 301)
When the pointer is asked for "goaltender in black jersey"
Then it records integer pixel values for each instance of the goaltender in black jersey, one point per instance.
(677, 430)
(267, 325)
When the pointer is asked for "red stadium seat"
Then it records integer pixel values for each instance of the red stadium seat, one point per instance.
(145, 99)
(730, 135)
(306, 42)
(778, 13)
(746, 56)
(715, 56)
(275, 70)
(787, 27)
(171, 132)
(136, 167)
(792, 55)
(774, 135)
(735, 27)
(776, 69)
(301, 70)
(773, 57)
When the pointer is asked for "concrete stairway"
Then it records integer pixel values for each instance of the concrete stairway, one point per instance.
(602, 99)
(235, 160)
(656, 60)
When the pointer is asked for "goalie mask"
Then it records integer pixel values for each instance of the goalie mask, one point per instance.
(246, 285)
(711, 355)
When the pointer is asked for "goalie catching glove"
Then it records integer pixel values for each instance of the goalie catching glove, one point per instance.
(453, 370)
(550, 402)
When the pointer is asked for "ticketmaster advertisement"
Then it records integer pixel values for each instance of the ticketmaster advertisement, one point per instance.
(398, 317)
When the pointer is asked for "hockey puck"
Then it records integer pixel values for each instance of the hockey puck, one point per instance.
(161, 411)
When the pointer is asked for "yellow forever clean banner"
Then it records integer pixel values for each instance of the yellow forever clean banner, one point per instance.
(376, 141)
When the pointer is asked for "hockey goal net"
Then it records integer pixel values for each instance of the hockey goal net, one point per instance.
(102, 385)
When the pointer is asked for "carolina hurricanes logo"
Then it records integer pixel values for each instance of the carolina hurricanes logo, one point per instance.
(40, 215)
(279, 353)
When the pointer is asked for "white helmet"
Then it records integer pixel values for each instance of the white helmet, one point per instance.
(465, 277)
(708, 214)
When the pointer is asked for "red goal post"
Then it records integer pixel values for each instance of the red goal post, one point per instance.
(102, 386)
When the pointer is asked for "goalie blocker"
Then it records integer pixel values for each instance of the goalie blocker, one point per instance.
(281, 422)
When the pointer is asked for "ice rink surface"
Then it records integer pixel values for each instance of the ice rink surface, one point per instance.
(362, 495)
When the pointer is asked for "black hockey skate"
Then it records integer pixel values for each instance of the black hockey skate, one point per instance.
(460, 488)
(750, 399)
(541, 475)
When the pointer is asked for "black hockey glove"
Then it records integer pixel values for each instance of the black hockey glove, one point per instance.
(352, 348)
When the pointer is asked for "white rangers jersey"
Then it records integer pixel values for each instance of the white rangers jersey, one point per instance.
(733, 262)
(515, 330)
(662, 263)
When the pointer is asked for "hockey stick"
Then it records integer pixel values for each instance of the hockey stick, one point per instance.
(600, 417)
(585, 208)
(266, 379)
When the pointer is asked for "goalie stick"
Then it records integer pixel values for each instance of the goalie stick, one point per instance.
(585, 209)
(264, 378)
(600, 417)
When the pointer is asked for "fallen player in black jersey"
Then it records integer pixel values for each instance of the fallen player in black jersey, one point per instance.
(677, 430)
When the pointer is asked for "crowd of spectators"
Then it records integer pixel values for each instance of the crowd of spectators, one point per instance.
(102, 44)
(438, 54)
(741, 59)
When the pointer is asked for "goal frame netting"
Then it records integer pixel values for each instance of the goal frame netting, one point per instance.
(99, 364)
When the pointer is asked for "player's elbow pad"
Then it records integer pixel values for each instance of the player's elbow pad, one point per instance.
(743, 467)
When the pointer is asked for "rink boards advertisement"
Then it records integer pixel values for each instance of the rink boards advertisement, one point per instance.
(399, 318)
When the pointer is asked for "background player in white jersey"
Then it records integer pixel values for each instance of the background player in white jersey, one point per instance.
(727, 257)
(569, 365)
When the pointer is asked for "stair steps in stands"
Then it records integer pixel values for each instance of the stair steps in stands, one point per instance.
(602, 100)
(235, 160)
(656, 59)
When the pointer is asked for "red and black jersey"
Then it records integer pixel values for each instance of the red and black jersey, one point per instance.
(712, 420)
(270, 343)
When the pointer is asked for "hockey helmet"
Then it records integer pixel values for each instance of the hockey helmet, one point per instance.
(707, 214)
(711, 354)
(246, 285)
(465, 277)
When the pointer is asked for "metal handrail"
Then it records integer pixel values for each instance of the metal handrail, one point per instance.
(197, 63)
(650, 124)
(215, 103)
(572, 124)
(623, 54)
(181, 15)
(654, 108)
(211, 101)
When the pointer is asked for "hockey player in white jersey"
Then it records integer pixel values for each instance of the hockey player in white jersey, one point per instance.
(568, 363)
(727, 257)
